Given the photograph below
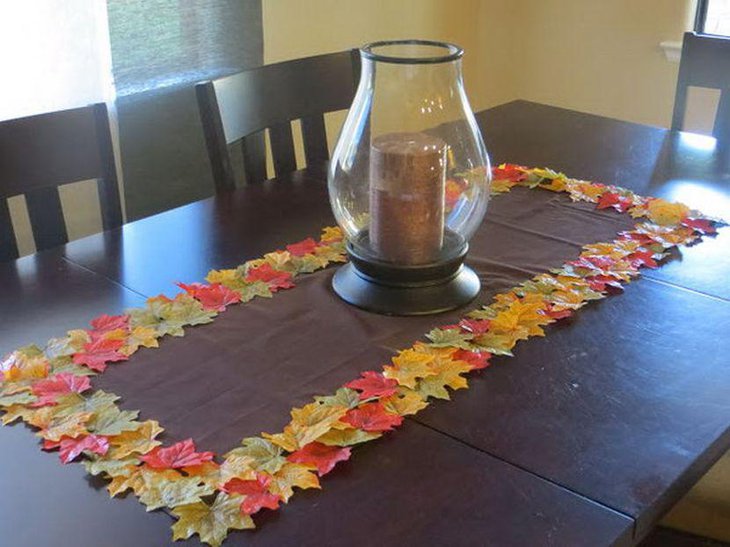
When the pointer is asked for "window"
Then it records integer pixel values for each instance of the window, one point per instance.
(713, 17)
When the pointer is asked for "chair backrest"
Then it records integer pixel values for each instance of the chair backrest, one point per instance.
(40, 153)
(242, 106)
(705, 63)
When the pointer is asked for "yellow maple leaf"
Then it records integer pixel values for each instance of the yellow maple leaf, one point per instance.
(347, 437)
(164, 489)
(449, 375)
(331, 233)
(408, 366)
(501, 186)
(286, 439)
(140, 440)
(211, 522)
(664, 213)
(404, 403)
(223, 277)
(289, 476)
(313, 420)
(72, 425)
(141, 337)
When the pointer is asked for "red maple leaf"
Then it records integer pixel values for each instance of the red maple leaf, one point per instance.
(256, 492)
(700, 225)
(372, 417)
(49, 389)
(612, 199)
(99, 352)
(212, 297)
(643, 239)
(643, 258)
(550, 311)
(510, 171)
(105, 323)
(71, 448)
(601, 282)
(475, 326)
(276, 279)
(373, 384)
(323, 457)
(302, 248)
(477, 359)
(178, 455)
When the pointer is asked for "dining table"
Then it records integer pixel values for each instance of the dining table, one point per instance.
(585, 437)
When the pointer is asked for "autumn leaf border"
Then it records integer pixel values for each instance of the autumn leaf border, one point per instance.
(49, 388)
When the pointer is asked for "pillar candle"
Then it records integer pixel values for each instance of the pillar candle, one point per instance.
(407, 180)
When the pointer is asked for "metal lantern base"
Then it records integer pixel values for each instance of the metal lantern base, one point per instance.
(392, 289)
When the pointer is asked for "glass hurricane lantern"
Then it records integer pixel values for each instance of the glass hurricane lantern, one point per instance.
(409, 181)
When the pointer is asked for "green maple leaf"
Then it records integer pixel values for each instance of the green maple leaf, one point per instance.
(211, 522)
(344, 396)
(74, 403)
(450, 338)
(347, 437)
(23, 398)
(112, 421)
(109, 467)
(266, 455)
(250, 290)
(161, 491)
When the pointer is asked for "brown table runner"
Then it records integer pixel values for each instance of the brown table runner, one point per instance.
(242, 374)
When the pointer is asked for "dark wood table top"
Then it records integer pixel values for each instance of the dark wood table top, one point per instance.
(586, 438)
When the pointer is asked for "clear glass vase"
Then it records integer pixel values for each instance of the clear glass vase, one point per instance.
(409, 177)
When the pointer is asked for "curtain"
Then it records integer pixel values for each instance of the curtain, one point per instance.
(160, 49)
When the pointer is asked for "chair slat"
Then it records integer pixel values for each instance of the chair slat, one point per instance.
(107, 186)
(314, 135)
(215, 139)
(46, 218)
(721, 130)
(282, 148)
(8, 246)
(254, 157)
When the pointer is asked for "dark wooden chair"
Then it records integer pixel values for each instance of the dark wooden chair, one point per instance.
(705, 63)
(242, 106)
(40, 153)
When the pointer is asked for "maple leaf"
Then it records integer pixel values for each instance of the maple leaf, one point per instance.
(211, 522)
(508, 171)
(373, 384)
(236, 467)
(265, 455)
(111, 467)
(140, 440)
(408, 366)
(475, 326)
(106, 323)
(665, 213)
(321, 456)
(449, 374)
(312, 421)
(289, 476)
(614, 200)
(404, 403)
(171, 490)
(302, 248)
(453, 338)
(256, 492)
(112, 421)
(99, 352)
(275, 279)
(23, 398)
(178, 455)
(212, 297)
(700, 225)
(344, 397)
(372, 417)
(598, 283)
(72, 425)
(331, 234)
(475, 359)
(643, 258)
(348, 437)
(50, 389)
(71, 448)
(140, 337)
